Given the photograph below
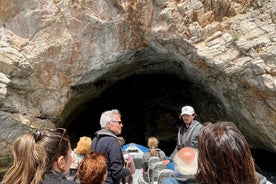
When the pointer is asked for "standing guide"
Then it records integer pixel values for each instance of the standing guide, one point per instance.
(188, 131)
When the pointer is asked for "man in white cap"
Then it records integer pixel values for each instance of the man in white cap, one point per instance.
(188, 132)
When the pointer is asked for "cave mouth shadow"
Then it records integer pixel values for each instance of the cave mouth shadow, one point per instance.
(150, 106)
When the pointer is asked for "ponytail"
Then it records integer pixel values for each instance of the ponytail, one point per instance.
(153, 144)
(28, 164)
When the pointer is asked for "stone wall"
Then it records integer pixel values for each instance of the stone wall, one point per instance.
(57, 55)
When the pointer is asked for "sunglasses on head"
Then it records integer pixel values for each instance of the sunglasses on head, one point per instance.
(61, 131)
(38, 134)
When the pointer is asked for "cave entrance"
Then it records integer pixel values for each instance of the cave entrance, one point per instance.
(150, 106)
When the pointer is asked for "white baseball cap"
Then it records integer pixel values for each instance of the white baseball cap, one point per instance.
(187, 110)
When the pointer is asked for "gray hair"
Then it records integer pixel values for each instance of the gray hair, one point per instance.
(108, 116)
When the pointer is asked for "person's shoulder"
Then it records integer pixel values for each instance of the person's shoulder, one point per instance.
(65, 181)
(186, 179)
(197, 124)
(146, 154)
(108, 139)
(262, 179)
(105, 132)
(162, 153)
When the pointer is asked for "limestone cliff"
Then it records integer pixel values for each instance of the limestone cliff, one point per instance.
(57, 55)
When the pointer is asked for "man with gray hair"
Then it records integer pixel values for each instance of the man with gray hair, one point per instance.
(106, 141)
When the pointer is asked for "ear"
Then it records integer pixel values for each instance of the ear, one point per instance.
(108, 125)
(61, 163)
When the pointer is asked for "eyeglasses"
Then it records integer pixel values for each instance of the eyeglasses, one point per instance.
(119, 122)
(62, 131)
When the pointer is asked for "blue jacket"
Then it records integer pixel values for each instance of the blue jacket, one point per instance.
(106, 142)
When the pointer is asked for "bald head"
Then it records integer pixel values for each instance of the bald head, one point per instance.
(187, 154)
(185, 161)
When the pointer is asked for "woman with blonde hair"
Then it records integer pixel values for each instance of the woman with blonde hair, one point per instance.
(40, 157)
(153, 151)
(83, 148)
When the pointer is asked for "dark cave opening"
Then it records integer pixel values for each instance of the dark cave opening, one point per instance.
(141, 100)
(150, 106)
(145, 102)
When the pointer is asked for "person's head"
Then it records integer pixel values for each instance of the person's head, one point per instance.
(37, 152)
(83, 145)
(58, 149)
(152, 144)
(111, 120)
(224, 155)
(121, 141)
(185, 161)
(187, 114)
(92, 169)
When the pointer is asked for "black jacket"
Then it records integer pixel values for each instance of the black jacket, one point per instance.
(53, 177)
(106, 142)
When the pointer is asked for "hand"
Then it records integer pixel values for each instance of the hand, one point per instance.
(166, 162)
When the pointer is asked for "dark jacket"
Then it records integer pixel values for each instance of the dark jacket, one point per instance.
(189, 179)
(106, 142)
(53, 177)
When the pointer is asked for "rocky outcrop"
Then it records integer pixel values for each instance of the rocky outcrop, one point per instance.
(57, 55)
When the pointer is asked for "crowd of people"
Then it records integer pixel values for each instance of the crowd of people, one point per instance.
(211, 153)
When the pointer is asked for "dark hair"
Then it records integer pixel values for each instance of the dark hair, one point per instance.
(224, 156)
(56, 143)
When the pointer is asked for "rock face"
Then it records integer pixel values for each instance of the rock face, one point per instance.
(57, 55)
